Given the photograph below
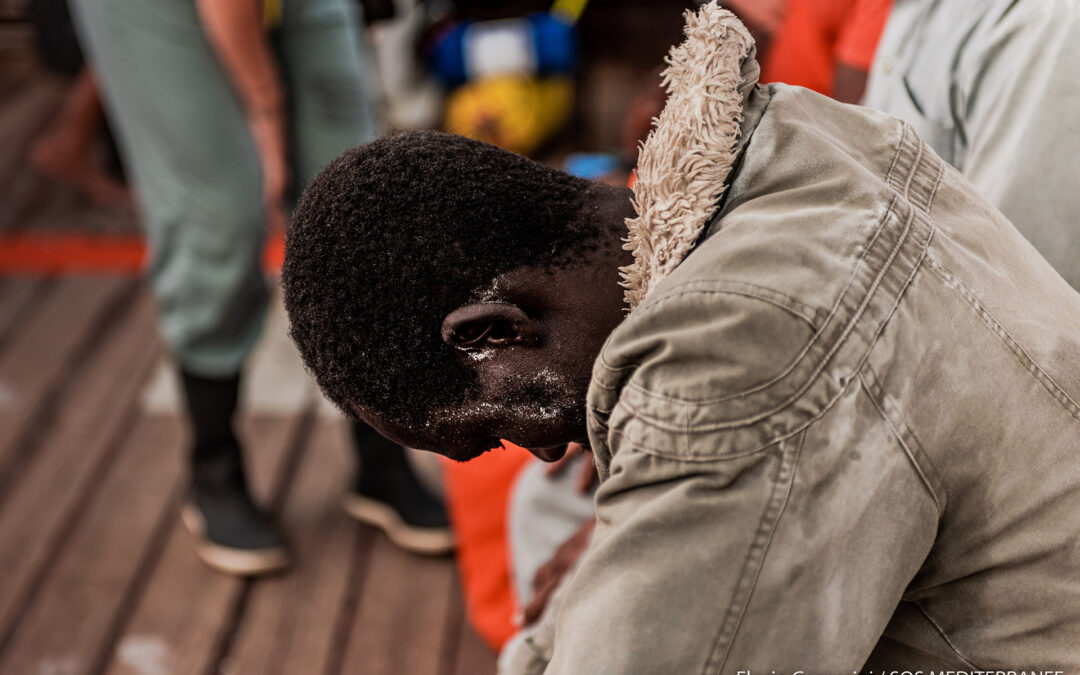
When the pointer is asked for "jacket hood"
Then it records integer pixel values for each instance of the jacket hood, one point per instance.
(684, 165)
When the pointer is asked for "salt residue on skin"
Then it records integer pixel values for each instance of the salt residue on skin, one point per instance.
(489, 294)
(515, 404)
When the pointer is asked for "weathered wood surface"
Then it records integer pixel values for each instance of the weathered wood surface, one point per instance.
(99, 576)
(39, 510)
(186, 610)
(44, 350)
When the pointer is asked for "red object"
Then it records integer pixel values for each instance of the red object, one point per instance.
(477, 496)
(816, 35)
(37, 253)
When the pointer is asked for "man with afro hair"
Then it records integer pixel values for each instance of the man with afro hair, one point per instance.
(837, 428)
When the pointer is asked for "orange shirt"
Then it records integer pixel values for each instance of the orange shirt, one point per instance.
(815, 36)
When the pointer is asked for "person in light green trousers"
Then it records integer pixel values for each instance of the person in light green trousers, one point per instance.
(223, 109)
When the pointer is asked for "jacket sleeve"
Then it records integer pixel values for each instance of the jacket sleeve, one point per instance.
(717, 552)
(1017, 100)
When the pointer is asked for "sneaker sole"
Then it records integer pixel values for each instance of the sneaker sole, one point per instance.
(234, 561)
(425, 541)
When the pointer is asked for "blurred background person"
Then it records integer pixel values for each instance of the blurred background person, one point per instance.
(824, 45)
(223, 109)
(66, 151)
(991, 86)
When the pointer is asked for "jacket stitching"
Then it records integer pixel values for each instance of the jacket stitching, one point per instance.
(914, 170)
(873, 391)
(904, 131)
(937, 184)
(771, 301)
(848, 329)
(833, 313)
(945, 637)
(1025, 359)
(751, 570)
(753, 389)
(667, 454)
(802, 310)
(862, 363)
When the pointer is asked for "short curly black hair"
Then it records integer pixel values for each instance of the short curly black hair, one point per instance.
(395, 234)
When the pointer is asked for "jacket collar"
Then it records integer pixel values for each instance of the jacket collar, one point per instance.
(685, 164)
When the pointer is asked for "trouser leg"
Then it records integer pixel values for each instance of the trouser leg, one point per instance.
(332, 85)
(197, 179)
(215, 455)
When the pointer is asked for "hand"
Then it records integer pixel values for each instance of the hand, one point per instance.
(588, 477)
(268, 131)
(551, 573)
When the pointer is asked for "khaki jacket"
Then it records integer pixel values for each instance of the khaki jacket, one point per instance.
(839, 429)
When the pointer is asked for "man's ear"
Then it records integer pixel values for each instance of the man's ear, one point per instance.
(487, 324)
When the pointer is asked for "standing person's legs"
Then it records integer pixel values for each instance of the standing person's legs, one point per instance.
(332, 104)
(332, 94)
(191, 160)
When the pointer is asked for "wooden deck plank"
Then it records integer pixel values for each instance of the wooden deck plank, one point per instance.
(21, 120)
(75, 611)
(63, 210)
(37, 512)
(181, 618)
(13, 10)
(17, 297)
(12, 75)
(290, 623)
(41, 353)
(81, 216)
(472, 656)
(23, 117)
(400, 625)
(185, 615)
(16, 49)
(20, 200)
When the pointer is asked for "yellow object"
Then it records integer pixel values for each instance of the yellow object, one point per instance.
(571, 9)
(272, 10)
(515, 112)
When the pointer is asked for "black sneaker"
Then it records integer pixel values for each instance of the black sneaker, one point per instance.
(232, 535)
(405, 523)
(388, 495)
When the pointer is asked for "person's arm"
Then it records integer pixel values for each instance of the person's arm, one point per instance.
(762, 18)
(1018, 100)
(856, 44)
(235, 31)
(718, 550)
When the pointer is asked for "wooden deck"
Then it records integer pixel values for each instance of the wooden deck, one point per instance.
(96, 573)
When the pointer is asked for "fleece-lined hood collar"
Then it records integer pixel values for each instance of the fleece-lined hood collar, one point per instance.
(684, 165)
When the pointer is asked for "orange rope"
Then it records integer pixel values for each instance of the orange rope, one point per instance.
(67, 253)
